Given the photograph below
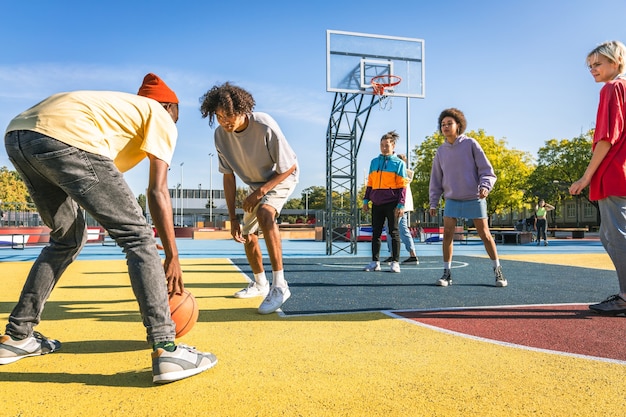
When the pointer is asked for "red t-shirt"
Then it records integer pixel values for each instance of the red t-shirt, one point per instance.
(610, 177)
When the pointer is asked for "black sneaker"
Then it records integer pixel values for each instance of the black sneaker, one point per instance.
(389, 260)
(446, 279)
(612, 306)
(411, 260)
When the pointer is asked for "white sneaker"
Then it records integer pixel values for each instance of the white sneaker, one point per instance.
(274, 300)
(35, 345)
(395, 267)
(184, 362)
(372, 266)
(253, 290)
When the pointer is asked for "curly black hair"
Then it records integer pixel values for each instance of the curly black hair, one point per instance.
(232, 100)
(458, 117)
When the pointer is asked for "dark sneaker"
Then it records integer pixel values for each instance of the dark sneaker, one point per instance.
(412, 260)
(182, 363)
(389, 260)
(500, 280)
(35, 345)
(446, 279)
(612, 306)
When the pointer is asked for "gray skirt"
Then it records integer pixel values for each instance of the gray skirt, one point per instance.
(466, 209)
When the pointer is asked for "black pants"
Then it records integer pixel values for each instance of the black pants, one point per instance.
(380, 213)
(541, 229)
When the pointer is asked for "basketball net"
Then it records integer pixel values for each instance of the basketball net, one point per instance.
(382, 86)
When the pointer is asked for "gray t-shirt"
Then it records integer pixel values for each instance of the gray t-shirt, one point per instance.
(257, 153)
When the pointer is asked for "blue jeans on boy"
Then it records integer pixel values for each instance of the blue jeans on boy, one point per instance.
(405, 235)
(63, 180)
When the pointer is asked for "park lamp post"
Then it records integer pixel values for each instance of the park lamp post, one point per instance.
(182, 221)
(306, 204)
(211, 189)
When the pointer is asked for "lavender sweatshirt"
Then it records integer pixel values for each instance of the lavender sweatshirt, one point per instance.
(459, 170)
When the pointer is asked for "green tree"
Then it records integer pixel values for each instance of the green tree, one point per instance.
(317, 197)
(559, 164)
(141, 200)
(294, 204)
(13, 192)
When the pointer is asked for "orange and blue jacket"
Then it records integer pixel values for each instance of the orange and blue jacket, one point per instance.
(386, 181)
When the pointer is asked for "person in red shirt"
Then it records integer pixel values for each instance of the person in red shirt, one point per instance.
(606, 173)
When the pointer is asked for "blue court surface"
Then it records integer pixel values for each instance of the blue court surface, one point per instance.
(323, 284)
(190, 248)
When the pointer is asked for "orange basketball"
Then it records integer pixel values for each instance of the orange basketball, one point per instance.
(184, 310)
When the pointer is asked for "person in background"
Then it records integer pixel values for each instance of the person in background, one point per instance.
(403, 224)
(386, 189)
(71, 150)
(606, 173)
(541, 221)
(463, 175)
(252, 146)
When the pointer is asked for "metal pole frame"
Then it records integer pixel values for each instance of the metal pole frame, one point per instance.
(348, 119)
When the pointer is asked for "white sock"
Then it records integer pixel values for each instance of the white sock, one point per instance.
(260, 279)
(447, 265)
(496, 263)
(278, 279)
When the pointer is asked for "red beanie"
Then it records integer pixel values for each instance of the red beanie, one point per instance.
(154, 88)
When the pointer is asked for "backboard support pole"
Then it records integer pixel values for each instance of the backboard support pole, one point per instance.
(348, 119)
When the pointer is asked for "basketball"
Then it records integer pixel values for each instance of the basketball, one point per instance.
(184, 311)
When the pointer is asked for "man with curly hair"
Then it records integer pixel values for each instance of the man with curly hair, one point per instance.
(252, 146)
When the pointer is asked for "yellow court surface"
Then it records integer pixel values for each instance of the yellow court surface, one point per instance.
(363, 364)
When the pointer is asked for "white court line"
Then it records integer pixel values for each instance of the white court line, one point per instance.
(455, 265)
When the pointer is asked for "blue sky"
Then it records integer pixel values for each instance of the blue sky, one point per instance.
(516, 69)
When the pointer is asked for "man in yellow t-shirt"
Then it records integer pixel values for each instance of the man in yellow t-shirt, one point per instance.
(70, 150)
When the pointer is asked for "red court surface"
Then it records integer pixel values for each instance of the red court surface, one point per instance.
(569, 329)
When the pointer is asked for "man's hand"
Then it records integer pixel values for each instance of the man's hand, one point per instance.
(252, 200)
(174, 276)
(235, 231)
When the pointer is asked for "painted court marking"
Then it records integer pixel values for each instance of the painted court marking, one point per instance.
(562, 329)
(436, 265)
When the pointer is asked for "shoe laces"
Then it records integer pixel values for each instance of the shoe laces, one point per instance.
(614, 298)
(498, 272)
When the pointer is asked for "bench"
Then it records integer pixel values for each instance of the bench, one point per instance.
(577, 232)
(435, 234)
(512, 236)
(20, 242)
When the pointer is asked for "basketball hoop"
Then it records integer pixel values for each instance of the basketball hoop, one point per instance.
(383, 84)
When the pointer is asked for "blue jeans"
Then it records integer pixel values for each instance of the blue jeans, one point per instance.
(62, 180)
(405, 235)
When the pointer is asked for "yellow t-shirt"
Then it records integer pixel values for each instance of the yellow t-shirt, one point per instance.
(121, 126)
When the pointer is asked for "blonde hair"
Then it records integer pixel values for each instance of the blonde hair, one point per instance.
(614, 51)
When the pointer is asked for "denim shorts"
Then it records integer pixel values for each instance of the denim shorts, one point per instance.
(466, 209)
